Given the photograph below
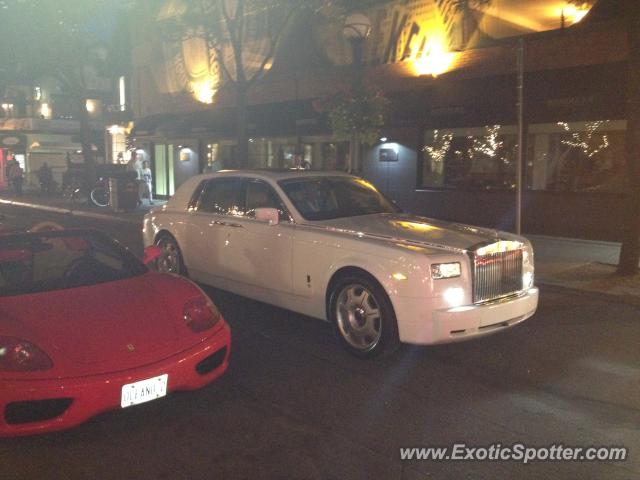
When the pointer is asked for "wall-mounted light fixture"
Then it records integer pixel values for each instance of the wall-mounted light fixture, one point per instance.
(91, 106)
(185, 153)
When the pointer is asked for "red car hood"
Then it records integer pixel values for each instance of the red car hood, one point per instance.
(107, 327)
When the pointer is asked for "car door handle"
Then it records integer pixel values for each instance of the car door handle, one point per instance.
(226, 224)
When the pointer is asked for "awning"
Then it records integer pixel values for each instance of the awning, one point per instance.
(276, 119)
(148, 125)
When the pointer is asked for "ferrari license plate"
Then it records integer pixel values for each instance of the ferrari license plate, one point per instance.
(144, 391)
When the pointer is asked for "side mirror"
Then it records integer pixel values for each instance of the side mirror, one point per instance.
(268, 215)
(151, 254)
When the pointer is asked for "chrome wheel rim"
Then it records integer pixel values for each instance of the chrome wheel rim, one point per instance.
(169, 261)
(359, 317)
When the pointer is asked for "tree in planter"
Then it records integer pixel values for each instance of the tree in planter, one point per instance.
(356, 113)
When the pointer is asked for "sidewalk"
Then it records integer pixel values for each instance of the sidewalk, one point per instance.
(584, 265)
(56, 204)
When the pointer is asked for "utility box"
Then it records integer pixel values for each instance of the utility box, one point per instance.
(124, 191)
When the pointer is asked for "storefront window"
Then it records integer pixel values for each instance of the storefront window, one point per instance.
(334, 155)
(289, 152)
(576, 157)
(118, 147)
(470, 158)
(214, 163)
(262, 153)
(272, 152)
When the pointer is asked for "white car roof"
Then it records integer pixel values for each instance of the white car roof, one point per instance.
(275, 175)
(184, 193)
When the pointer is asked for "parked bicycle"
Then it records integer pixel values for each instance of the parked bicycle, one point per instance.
(89, 186)
(77, 192)
(100, 193)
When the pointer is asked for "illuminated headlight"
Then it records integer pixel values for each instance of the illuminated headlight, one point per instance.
(527, 280)
(445, 270)
(454, 296)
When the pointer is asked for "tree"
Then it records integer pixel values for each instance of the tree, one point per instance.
(464, 7)
(245, 36)
(356, 111)
(630, 252)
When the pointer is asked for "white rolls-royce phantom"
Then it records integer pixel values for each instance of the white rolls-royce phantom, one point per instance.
(330, 246)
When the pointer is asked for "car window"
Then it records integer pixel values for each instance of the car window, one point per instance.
(325, 198)
(259, 194)
(32, 263)
(195, 197)
(221, 196)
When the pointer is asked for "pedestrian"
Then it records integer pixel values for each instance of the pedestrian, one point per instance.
(135, 165)
(16, 177)
(147, 179)
(45, 177)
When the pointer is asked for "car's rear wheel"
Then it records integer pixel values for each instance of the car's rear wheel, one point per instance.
(363, 316)
(171, 259)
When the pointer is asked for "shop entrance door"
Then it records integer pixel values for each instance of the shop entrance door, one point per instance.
(163, 170)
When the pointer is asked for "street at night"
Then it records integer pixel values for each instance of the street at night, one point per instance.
(319, 239)
(293, 404)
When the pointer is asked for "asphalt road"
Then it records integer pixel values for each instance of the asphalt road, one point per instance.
(294, 405)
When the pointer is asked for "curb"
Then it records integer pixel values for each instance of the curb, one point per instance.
(581, 241)
(69, 211)
(630, 300)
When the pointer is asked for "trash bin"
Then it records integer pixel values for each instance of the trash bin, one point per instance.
(123, 191)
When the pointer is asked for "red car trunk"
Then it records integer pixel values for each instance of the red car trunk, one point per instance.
(106, 327)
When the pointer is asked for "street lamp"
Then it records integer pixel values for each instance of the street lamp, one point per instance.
(357, 27)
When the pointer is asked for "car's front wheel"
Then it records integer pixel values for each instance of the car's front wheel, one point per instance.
(363, 316)
(171, 259)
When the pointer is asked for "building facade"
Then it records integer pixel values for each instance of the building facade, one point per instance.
(450, 145)
(39, 123)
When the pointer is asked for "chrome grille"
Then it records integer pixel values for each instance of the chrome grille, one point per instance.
(496, 275)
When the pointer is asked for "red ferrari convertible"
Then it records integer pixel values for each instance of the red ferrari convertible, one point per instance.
(86, 327)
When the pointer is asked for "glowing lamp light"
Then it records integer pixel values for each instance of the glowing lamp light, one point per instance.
(399, 276)
(436, 60)
(116, 130)
(204, 90)
(573, 13)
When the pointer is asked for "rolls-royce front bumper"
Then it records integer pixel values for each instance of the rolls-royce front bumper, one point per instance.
(419, 323)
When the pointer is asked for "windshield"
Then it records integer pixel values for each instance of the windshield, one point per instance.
(326, 198)
(58, 260)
